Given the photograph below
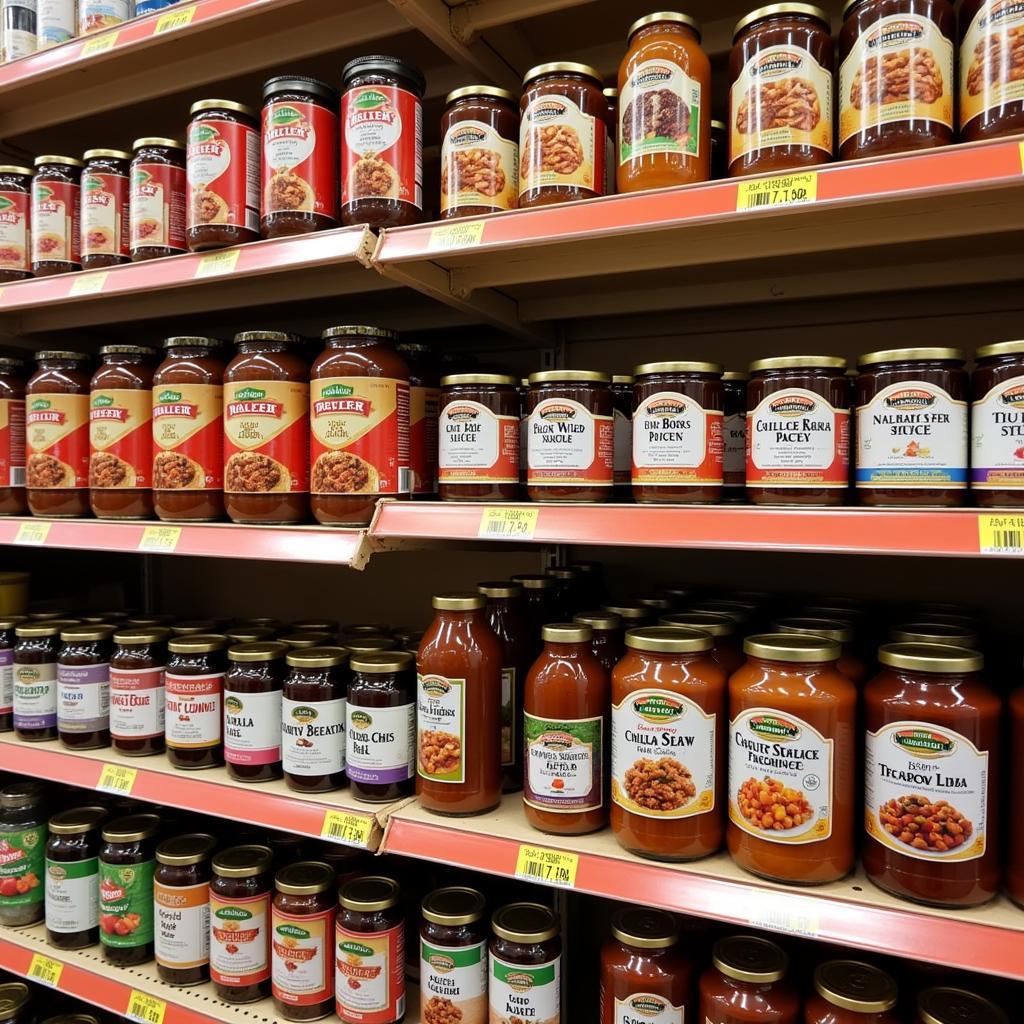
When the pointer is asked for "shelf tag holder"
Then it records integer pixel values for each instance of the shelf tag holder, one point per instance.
(508, 523)
(99, 44)
(781, 914)
(213, 264)
(117, 778)
(455, 236)
(146, 1008)
(771, 193)
(347, 828)
(45, 970)
(1001, 535)
(32, 533)
(551, 867)
(160, 540)
(174, 19)
(89, 284)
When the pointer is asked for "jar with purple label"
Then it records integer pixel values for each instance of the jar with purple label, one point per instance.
(7, 639)
(35, 679)
(83, 686)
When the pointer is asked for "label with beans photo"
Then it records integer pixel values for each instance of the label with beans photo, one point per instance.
(441, 717)
(188, 438)
(676, 441)
(381, 743)
(477, 445)
(35, 696)
(647, 1008)
(193, 714)
(561, 145)
(157, 206)
(478, 168)
(568, 444)
(524, 993)
(252, 727)
(300, 963)
(105, 214)
(659, 112)
(992, 59)
(14, 238)
(22, 866)
(313, 736)
(900, 69)
(926, 792)
(453, 983)
(56, 210)
(300, 159)
(126, 904)
(663, 755)
(182, 933)
(72, 895)
(424, 404)
(57, 440)
(83, 698)
(780, 777)
(369, 979)
(239, 950)
(563, 764)
(120, 438)
(997, 437)
(223, 171)
(137, 703)
(12, 442)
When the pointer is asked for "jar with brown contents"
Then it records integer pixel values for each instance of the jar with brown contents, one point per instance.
(105, 229)
(56, 209)
(8, 624)
(15, 255)
(137, 690)
(525, 943)
(991, 69)
(252, 711)
(127, 866)
(850, 992)
(12, 431)
(181, 899)
(734, 436)
(83, 687)
(454, 930)
(73, 878)
(747, 980)
(424, 407)
(35, 679)
(156, 209)
(194, 690)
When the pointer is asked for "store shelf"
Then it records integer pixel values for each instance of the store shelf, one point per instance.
(853, 912)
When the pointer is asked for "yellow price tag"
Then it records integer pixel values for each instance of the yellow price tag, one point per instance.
(98, 44)
(456, 236)
(781, 914)
(350, 829)
(117, 778)
(174, 19)
(1022, 155)
(160, 539)
(1001, 535)
(552, 867)
(44, 969)
(785, 190)
(88, 284)
(146, 1008)
(32, 533)
(508, 523)
(215, 263)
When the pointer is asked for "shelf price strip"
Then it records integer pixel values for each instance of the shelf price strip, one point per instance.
(146, 1008)
(117, 778)
(32, 533)
(348, 829)
(780, 915)
(213, 264)
(1001, 535)
(769, 193)
(552, 867)
(99, 44)
(45, 969)
(160, 539)
(508, 523)
(175, 19)
(455, 236)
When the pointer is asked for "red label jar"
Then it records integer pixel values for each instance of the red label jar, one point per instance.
(105, 229)
(56, 209)
(12, 437)
(15, 200)
(991, 69)
(137, 699)
(156, 206)
(194, 693)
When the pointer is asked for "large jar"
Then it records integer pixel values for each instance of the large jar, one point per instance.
(912, 427)
(525, 964)
(424, 408)
(35, 679)
(137, 701)
(606, 639)
(956, 1006)
(156, 207)
(664, 129)
(991, 62)
(104, 222)
(16, 197)
(194, 693)
(83, 687)
(127, 866)
(453, 932)
(23, 866)
(381, 142)
(734, 436)
(56, 209)
(1015, 861)
(563, 131)
(359, 421)
(252, 711)
(722, 630)
(896, 83)
(850, 992)
(12, 432)
(780, 98)
(622, 417)
(997, 415)
(73, 878)
(747, 982)
(57, 435)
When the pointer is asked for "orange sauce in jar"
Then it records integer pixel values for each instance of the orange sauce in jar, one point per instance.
(851, 664)
(849, 992)
(721, 628)
(747, 984)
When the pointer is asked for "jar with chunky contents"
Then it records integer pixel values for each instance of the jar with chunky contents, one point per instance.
(606, 637)
(664, 128)
(896, 84)
(73, 878)
(252, 711)
(194, 693)
(35, 679)
(747, 981)
(424, 409)
(525, 964)
(16, 199)
(912, 427)
(137, 701)
(83, 687)
(997, 414)
(622, 418)
(991, 69)
(55, 217)
(734, 436)
(453, 957)
(105, 188)
(12, 430)
(313, 718)
(127, 866)
(156, 207)
(23, 842)
(721, 628)
(850, 992)
(850, 663)
(181, 901)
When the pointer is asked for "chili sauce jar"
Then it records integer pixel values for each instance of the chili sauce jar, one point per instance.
(105, 189)
(127, 866)
(73, 878)
(55, 217)
(15, 190)
(156, 206)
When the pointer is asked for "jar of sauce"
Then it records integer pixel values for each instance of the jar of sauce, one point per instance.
(850, 992)
(181, 900)
(73, 878)
(896, 84)
(252, 711)
(240, 907)
(1015, 861)
(478, 438)
(912, 427)
(734, 436)
(453, 931)
(622, 418)
(12, 431)
(780, 99)
(935, 633)
(156, 206)
(381, 168)
(194, 689)
(137, 701)
(479, 152)
(539, 599)
(932, 837)
(997, 417)
(458, 743)
(57, 435)
(121, 433)
(633, 615)
(850, 663)
(16, 189)
(83, 687)
(957, 1006)
(664, 128)
(8, 624)
(15, 1001)
(424, 409)
(568, 597)
(606, 637)
(525, 945)
(23, 868)
(359, 419)
(105, 231)
(571, 436)
(127, 867)
(991, 98)
(35, 679)
(722, 630)
(563, 131)
(56, 209)
(747, 981)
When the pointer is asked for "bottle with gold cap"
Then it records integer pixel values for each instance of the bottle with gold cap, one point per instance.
(747, 980)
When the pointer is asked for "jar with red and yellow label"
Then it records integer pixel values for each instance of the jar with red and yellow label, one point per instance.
(56, 209)
(194, 694)
(850, 992)
(991, 69)
(997, 420)
(137, 701)
(15, 200)
(223, 170)
(105, 229)
(12, 437)
(424, 407)
(266, 430)
(156, 206)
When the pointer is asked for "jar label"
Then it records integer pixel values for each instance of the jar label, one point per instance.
(7, 681)
(564, 764)
(35, 696)
(12, 442)
(83, 698)
(997, 426)
(780, 777)
(55, 221)
(370, 974)
(424, 404)
(647, 1008)
(56, 22)
(157, 207)
(992, 60)
(659, 112)
(509, 740)
(96, 15)
(120, 438)
(382, 151)
(223, 171)
(137, 703)
(622, 458)
(477, 445)
(313, 736)
(899, 69)
(663, 755)
(252, 727)
(569, 445)
(560, 145)
(926, 792)
(797, 439)
(126, 904)
(300, 159)
(453, 983)
(57, 440)
(72, 895)
(182, 938)
(525, 992)
(912, 434)
(188, 439)
(14, 247)
(676, 442)
(782, 97)
(381, 743)
(734, 456)
(193, 715)
(441, 717)
(360, 435)
(478, 168)
(301, 970)
(105, 214)
(18, 43)
(239, 946)
(22, 866)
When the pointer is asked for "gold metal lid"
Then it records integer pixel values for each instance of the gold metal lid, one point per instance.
(599, 619)
(526, 923)
(191, 341)
(314, 626)
(852, 985)
(934, 633)
(248, 634)
(139, 636)
(282, 336)
(300, 641)
(68, 161)
(534, 581)
(622, 378)
(569, 377)
(717, 125)
(663, 16)
(677, 366)
(243, 861)
(946, 1005)
(98, 154)
(358, 330)
(15, 169)
(627, 611)
(256, 651)
(76, 821)
(453, 906)
(611, 93)
(305, 878)
(51, 627)
(157, 140)
(849, 5)
(382, 663)
(735, 375)
(72, 1018)
(366, 629)
(149, 620)
(831, 629)
(131, 829)
(192, 627)
(792, 647)
(1000, 348)
(566, 633)
(669, 639)
(657, 604)
(939, 658)
(369, 644)
(645, 928)
(58, 353)
(459, 602)
(80, 634)
(127, 350)
(500, 379)
(22, 794)
(238, 108)
(374, 892)
(749, 958)
(767, 12)
(318, 657)
(739, 613)
(14, 994)
(192, 848)
(499, 588)
(201, 643)
(911, 355)
(712, 623)
(562, 66)
(491, 91)
(10, 621)
(798, 362)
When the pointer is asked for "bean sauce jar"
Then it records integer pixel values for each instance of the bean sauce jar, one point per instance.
(525, 964)
(991, 59)
(127, 866)
(194, 690)
(181, 899)
(156, 208)
(747, 981)
(23, 867)
(956, 1006)
(16, 196)
(105, 230)
(83, 687)
(997, 420)
(56, 209)
(137, 702)
(850, 992)
(454, 931)
(73, 878)
(35, 679)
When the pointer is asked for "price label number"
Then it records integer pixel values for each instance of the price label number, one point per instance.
(552, 867)
(32, 533)
(117, 778)
(146, 1008)
(160, 539)
(1001, 535)
(213, 264)
(88, 284)
(174, 19)
(509, 523)
(784, 915)
(99, 44)
(456, 236)
(45, 969)
(785, 190)
(349, 829)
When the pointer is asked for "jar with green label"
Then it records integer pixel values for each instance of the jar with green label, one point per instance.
(127, 866)
(22, 853)
(453, 956)
(525, 964)
(72, 878)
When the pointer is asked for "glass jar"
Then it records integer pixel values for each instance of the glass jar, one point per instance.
(15, 1003)
(956, 1006)
(539, 600)
(479, 152)
(15, 250)
(568, 597)
(105, 230)
(127, 866)
(850, 663)
(722, 630)
(99, 15)
(35, 679)
(8, 624)
(56, 209)
(300, 156)
(424, 409)
(525, 964)
(252, 711)
(156, 207)
(194, 692)
(23, 867)
(382, 147)
(664, 105)
(12, 434)
(734, 437)
(1015, 860)
(73, 878)
(632, 614)
(453, 932)
(997, 419)
(137, 701)
(746, 982)
(606, 637)
(622, 417)
(181, 899)
(83, 687)
(991, 97)
(849, 992)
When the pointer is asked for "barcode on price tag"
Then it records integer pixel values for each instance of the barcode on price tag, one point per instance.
(456, 236)
(781, 915)
(146, 1008)
(350, 829)
(160, 539)
(552, 867)
(32, 533)
(117, 778)
(44, 969)
(508, 523)
(175, 19)
(1001, 535)
(785, 190)
(214, 264)
(99, 43)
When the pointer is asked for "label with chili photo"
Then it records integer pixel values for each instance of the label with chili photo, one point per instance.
(992, 59)
(659, 112)
(182, 938)
(120, 438)
(997, 444)
(369, 978)
(22, 866)
(12, 442)
(561, 145)
(239, 950)
(478, 168)
(676, 441)
(424, 404)
(193, 713)
(14, 240)
(252, 727)
(56, 209)
(528, 993)
(300, 966)
(300, 159)
(157, 207)
(441, 721)
(105, 214)
(454, 976)
(223, 170)
(568, 444)
(57, 440)
(35, 696)
(137, 703)
(188, 439)
(126, 904)
(477, 445)
(564, 764)
(83, 698)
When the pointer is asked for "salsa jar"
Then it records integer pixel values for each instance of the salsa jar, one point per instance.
(299, 138)
(478, 438)
(137, 701)
(194, 699)
(896, 84)
(83, 687)
(16, 199)
(181, 906)
(850, 992)
(932, 837)
(677, 433)
(991, 69)
(55, 215)
(780, 98)
(252, 711)
(12, 434)
(453, 957)
(997, 415)
(57, 435)
(479, 152)
(722, 630)
(222, 167)
(73, 878)
(23, 843)
(35, 679)
(798, 431)
(734, 436)
(105, 188)
(121, 433)
(156, 206)
(747, 982)
(664, 123)
(525, 964)
(606, 636)
(127, 867)
(912, 427)
(424, 408)
(381, 142)
(622, 416)
(266, 430)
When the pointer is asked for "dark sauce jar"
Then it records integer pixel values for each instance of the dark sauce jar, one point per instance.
(73, 878)
(83, 687)
(252, 711)
(194, 688)
(127, 866)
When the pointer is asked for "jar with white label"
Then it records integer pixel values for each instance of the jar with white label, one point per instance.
(137, 701)
(73, 878)
(83, 687)
(97, 15)
(18, 34)
(194, 701)
(997, 423)
(252, 711)
(525, 964)
(35, 679)
(55, 23)
(453, 957)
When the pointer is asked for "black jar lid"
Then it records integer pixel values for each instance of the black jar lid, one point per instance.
(280, 84)
(380, 64)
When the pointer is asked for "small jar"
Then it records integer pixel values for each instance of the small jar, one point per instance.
(479, 152)
(105, 190)
(16, 199)
(991, 98)
(73, 878)
(127, 866)
(734, 437)
(222, 168)
(56, 209)
(424, 408)
(956, 1006)
(631, 614)
(23, 866)
(453, 932)
(137, 701)
(568, 597)
(35, 679)
(252, 711)
(722, 630)
(747, 980)
(83, 687)
(606, 641)
(194, 692)
(525, 964)
(622, 415)
(850, 992)
(478, 438)
(156, 206)
(181, 898)
(300, 156)
(997, 422)
(15, 1003)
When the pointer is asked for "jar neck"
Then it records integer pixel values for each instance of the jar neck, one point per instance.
(567, 651)
(792, 668)
(664, 28)
(263, 346)
(189, 352)
(123, 360)
(60, 364)
(359, 341)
